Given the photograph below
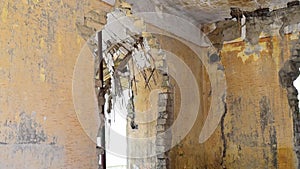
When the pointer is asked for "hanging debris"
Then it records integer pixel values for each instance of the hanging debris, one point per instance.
(125, 54)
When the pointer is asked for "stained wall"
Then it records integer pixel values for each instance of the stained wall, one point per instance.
(256, 130)
(39, 46)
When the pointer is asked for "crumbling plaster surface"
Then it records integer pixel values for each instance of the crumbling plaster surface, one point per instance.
(258, 122)
(256, 130)
(37, 76)
(264, 35)
(39, 46)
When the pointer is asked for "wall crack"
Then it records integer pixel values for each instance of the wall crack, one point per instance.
(223, 137)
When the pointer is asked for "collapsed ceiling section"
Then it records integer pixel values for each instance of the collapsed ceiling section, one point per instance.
(127, 54)
(128, 51)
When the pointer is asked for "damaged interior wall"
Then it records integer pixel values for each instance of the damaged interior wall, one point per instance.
(135, 64)
(258, 122)
(188, 153)
(256, 130)
(263, 53)
(150, 100)
(39, 47)
(288, 74)
(149, 124)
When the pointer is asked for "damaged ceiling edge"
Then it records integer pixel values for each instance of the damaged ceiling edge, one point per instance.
(251, 26)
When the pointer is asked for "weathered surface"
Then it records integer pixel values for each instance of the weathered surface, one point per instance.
(39, 46)
(288, 74)
(258, 123)
(256, 130)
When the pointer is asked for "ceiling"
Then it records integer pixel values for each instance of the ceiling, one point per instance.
(202, 11)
